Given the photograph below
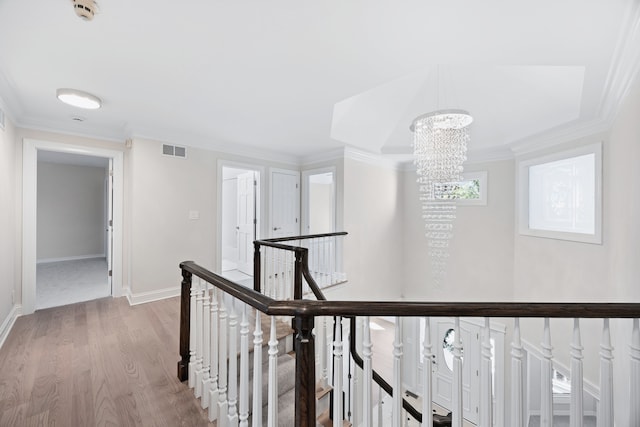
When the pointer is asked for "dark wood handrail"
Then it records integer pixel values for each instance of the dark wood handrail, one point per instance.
(303, 237)
(304, 312)
(414, 308)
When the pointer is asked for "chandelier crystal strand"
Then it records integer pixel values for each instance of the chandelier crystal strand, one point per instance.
(440, 147)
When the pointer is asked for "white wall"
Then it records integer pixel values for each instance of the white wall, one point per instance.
(480, 267)
(71, 211)
(8, 235)
(624, 230)
(164, 190)
(373, 206)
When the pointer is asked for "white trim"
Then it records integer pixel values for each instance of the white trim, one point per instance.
(482, 177)
(260, 212)
(624, 66)
(29, 212)
(8, 322)
(69, 258)
(557, 137)
(304, 196)
(523, 195)
(151, 296)
(371, 159)
(326, 156)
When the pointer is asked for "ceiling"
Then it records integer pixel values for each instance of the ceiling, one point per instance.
(302, 78)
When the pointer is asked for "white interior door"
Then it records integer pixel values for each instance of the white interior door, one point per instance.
(110, 225)
(443, 373)
(285, 203)
(246, 220)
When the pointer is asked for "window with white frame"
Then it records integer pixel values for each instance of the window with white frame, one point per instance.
(470, 190)
(560, 195)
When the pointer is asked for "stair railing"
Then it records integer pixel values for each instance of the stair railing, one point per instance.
(204, 356)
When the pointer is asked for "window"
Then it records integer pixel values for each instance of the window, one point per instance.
(471, 190)
(561, 195)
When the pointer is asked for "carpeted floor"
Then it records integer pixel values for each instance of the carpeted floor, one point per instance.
(69, 282)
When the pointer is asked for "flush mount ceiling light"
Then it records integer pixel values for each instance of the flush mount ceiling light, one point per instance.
(79, 99)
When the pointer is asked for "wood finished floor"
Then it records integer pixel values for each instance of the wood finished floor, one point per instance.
(97, 363)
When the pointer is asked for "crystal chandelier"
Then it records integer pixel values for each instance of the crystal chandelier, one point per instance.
(440, 146)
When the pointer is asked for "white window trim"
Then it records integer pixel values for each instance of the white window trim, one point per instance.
(471, 176)
(523, 195)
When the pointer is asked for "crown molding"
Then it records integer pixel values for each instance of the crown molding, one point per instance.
(624, 66)
(54, 127)
(325, 156)
(223, 147)
(559, 136)
(372, 159)
(9, 102)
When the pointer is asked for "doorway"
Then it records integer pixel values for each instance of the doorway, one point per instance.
(240, 221)
(73, 240)
(113, 185)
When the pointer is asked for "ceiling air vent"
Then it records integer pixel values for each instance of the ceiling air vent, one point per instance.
(174, 150)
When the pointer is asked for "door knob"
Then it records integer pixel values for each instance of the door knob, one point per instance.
(276, 228)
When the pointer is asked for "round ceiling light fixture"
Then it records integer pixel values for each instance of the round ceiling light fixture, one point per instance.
(79, 99)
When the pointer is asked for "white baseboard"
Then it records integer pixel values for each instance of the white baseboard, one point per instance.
(144, 297)
(7, 324)
(70, 258)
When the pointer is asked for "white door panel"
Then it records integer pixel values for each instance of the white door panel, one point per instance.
(285, 203)
(246, 221)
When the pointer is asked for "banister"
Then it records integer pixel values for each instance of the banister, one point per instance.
(305, 310)
(303, 237)
(414, 308)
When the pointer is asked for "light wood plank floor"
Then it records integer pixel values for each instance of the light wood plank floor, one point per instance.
(98, 363)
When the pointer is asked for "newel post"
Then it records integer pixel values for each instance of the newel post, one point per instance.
(301, 255)
(305, 411)
(185, 312)
(256, 267)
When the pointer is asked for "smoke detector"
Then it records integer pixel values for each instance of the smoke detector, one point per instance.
(85, 9)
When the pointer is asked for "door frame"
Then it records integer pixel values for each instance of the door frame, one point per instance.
(30, 149)
(260, 208)
(304, 205)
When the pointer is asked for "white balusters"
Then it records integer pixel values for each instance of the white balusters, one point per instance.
(233, 364)
(213, 384)
(244, 368)
(634, 377)
(517, 378)
(322, 351)
(605, 405)
(546, 375)
(199, 338)
(256, 418)
(222, 363)
(272, 408)
(486, 392)
(577, 383)
(337, 373)
(427, 376)
(367, 385)
(195, 282)
(206, 346)
(396, 408)
(456, 395)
